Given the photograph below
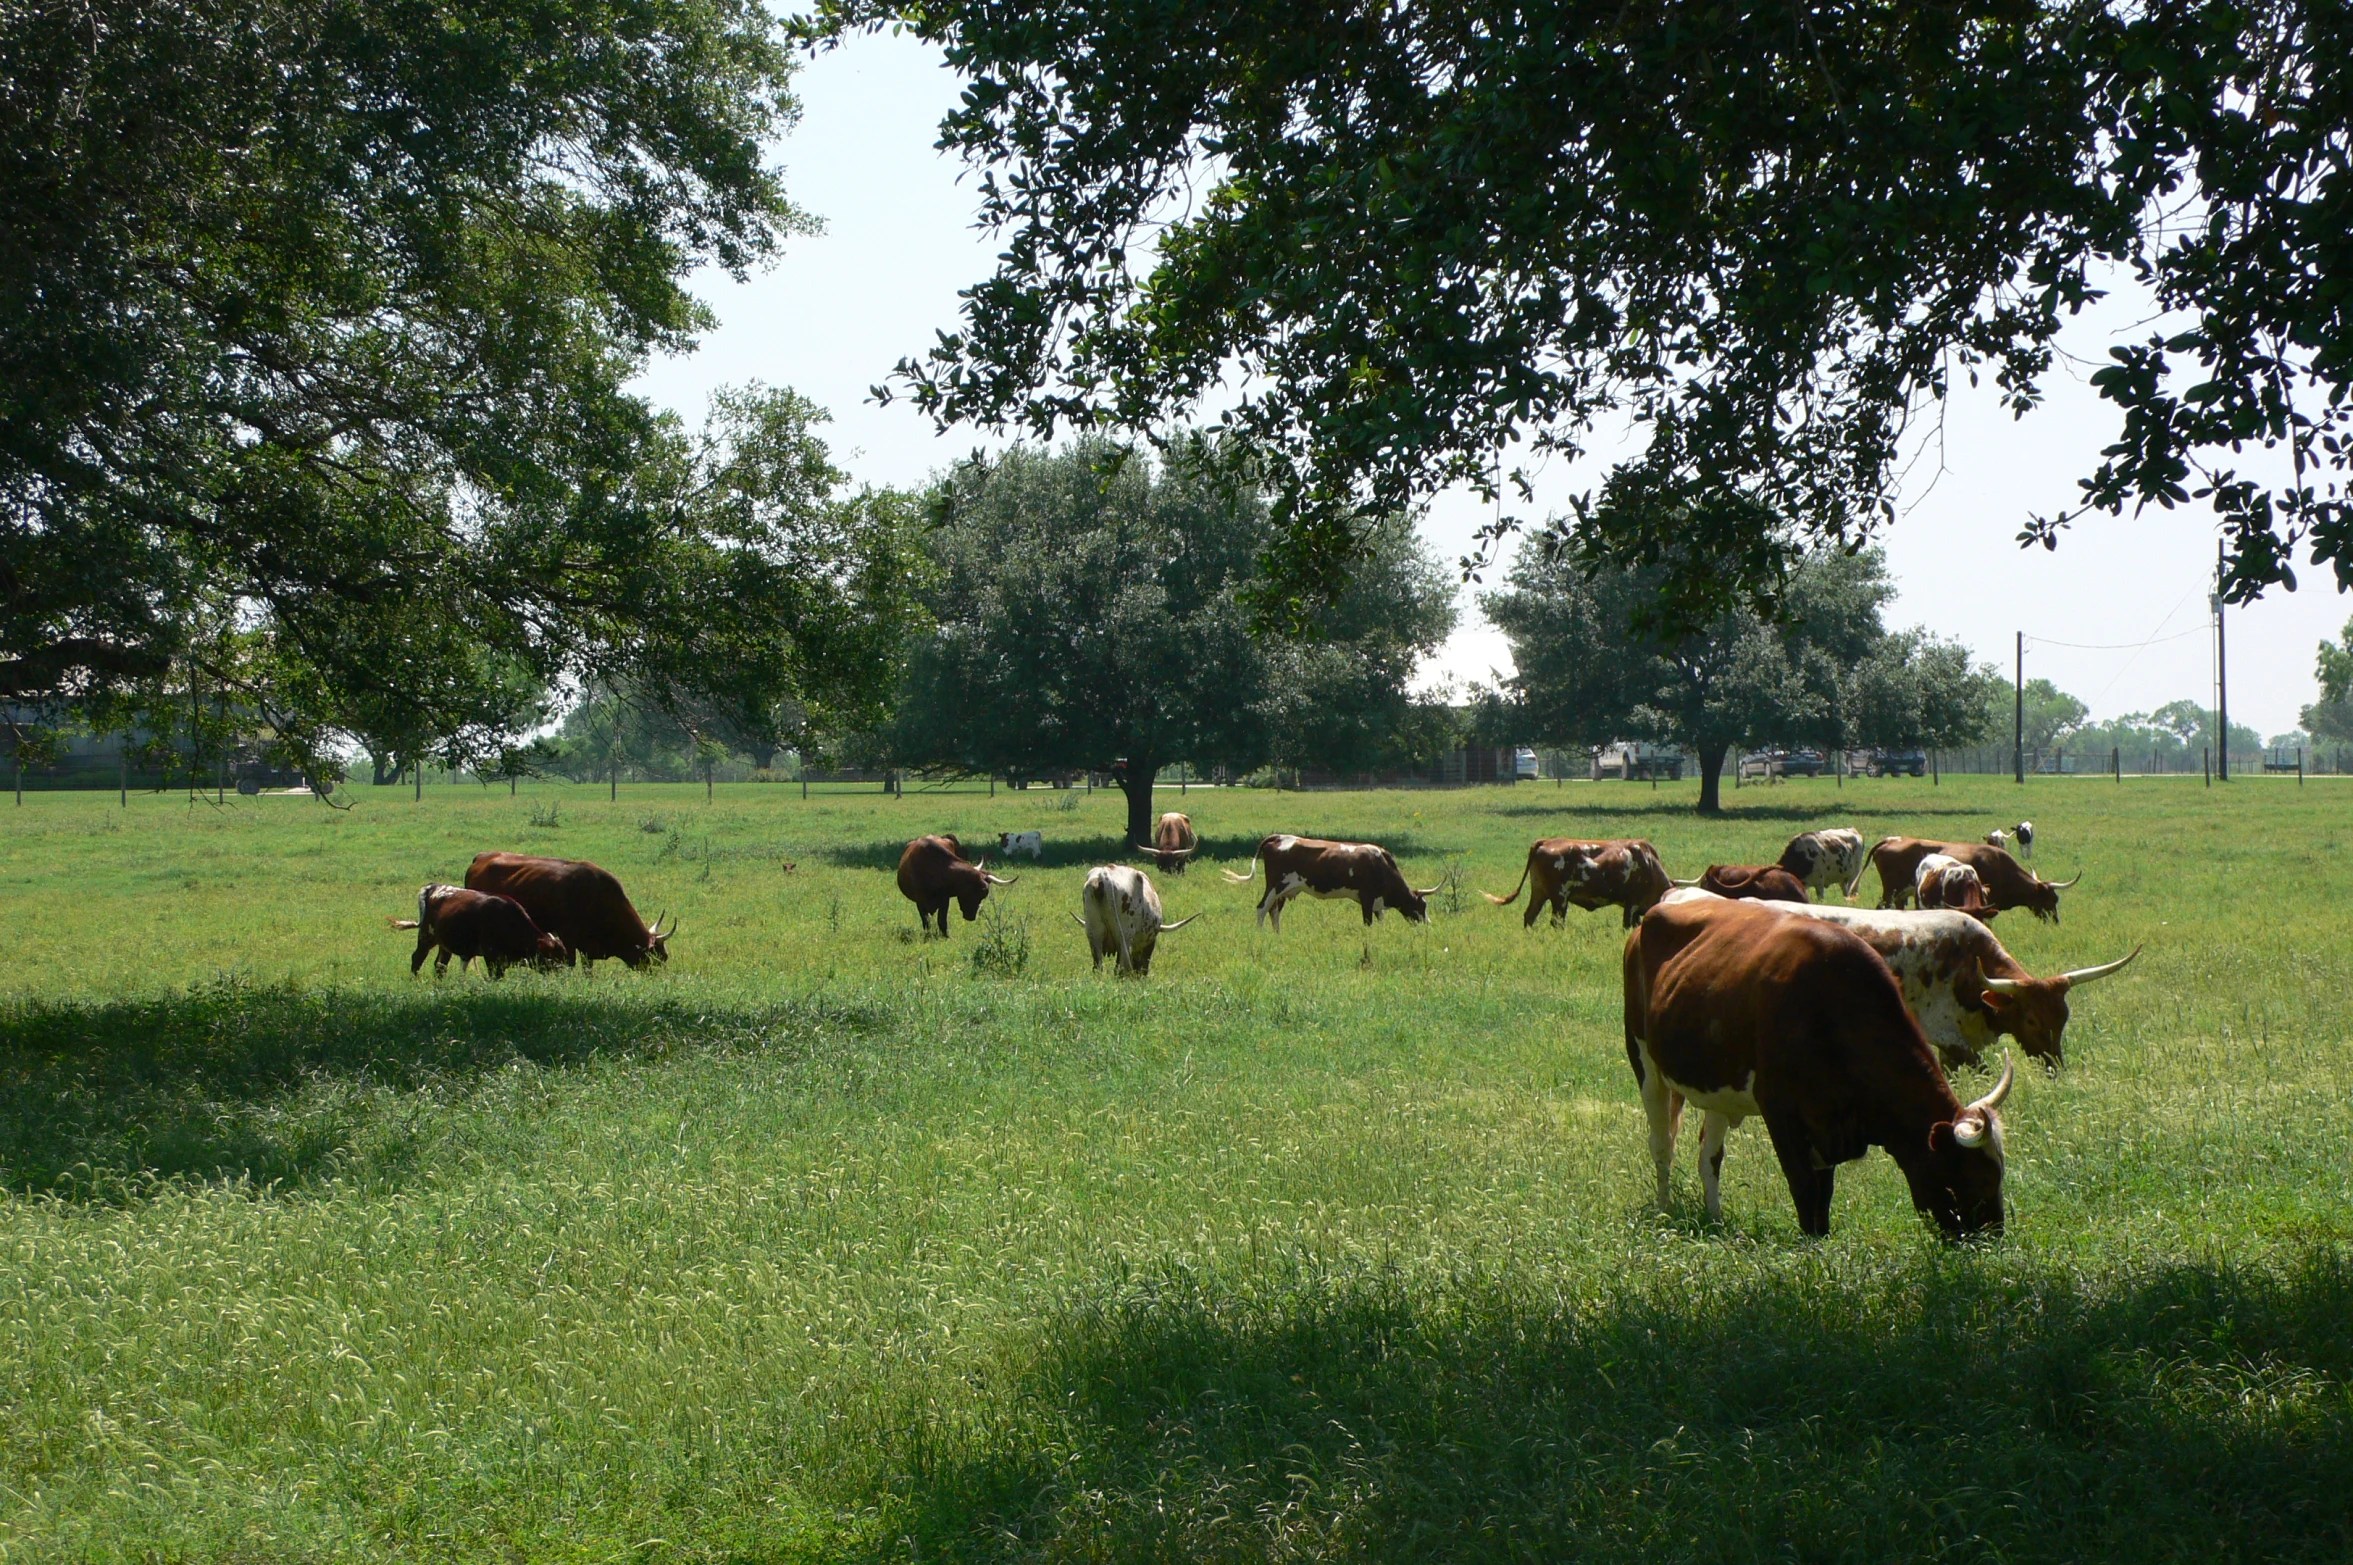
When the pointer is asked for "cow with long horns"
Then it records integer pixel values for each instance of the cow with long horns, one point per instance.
(1750, 1008)
(1173, 842)
(1622, 872)
(1962, 986)
(1123, 918)
(1943, 883)
(1310, 866)
(578, 903)
(1749, 883)
(2008, 884)
(933, 872)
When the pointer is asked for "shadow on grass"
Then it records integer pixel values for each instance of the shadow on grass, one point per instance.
(281, 1083)
(1901, 1411)
(1076, 852)
(1737, 807)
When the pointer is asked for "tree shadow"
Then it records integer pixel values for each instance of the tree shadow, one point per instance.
(1073, 852)
(1926, 1410)
(279, 1084)
(1834, 812)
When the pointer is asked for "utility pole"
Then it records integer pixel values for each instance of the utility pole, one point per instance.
(2221, 679)
(2018, 731)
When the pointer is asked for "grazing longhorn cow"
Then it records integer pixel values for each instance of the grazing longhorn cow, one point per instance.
(469, 924)
(1123, 918)
(1943, 882)
(1750, 882)
(1623, 872)
(2007, 884)
(578, 903)
(933, 872)
(1173, 842)
(1963, 988)
(1744, 1009)
(1831, 857)
(1032, 843)
(1316, 868)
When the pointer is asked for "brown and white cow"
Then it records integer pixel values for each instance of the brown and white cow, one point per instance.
(1747, 1008)
(2007, 883)
(1173, 842)
(578, 903)
(1123, 918)
(1943, 883)
(933, 872)
(1622, 872)
(469, 924)
(1963, 987)
(1830, 857)
(1311, 866)
(1750, 883)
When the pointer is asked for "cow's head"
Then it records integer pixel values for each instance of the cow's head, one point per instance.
(2034, 1010)
(1960, 1182)
(657, 940)
(1415, 904)
(550, 954)
(973, 889)
(2042, 896)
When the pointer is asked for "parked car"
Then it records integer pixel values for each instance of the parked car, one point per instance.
(1636, 761)
(1802, 763)
(1760, 764)
(1523, 764)
(1899, 763)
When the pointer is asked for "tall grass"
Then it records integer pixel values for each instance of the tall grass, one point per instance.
(820, 1244)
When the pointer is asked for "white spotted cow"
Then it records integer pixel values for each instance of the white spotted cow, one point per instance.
(1032, 843)
(1944, 882)
(1123, 918)
(1830, 857)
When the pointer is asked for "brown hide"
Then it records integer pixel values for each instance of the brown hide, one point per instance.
(1753, 882)
(933, 872)
(469, 924)
(2008, 884)
(1312, 866)
(1621, 872)
(575, 901)
(1172, 841)
(1806, 1020)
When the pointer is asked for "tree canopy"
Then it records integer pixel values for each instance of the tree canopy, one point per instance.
(1089, 608)
(1595, 663)
(1767, 236)
(315, 322)
(2331, 717)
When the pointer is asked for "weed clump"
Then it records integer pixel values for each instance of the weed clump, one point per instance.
(547, 817)
(1002, 951)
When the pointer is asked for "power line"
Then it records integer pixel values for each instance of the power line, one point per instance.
(2118, 646)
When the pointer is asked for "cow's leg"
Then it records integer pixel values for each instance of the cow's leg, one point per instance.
(1712, 1131)
(1560, 909)
(424, 947)
(1662, 1105)
(1810, 1182)
(1127, 955)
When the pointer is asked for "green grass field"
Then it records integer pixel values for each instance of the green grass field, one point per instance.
(822, 1244)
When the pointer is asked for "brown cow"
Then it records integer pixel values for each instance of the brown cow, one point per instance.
(2007, 883)
(1173, 842)
(1313, 867)
(1750, 883)
(469, 924)
(1943, 883)
(1744, 1010)
(578, 903)
(933, 872)
(1622, 872)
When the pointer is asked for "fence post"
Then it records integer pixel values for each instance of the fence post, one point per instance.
(2206, 763)
(122, 774)
(2299, 766)
(2118, 759)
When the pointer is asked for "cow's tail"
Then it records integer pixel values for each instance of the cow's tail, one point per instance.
(1861, 865)
(1233, 879)
(401, 923)
(1515, 891)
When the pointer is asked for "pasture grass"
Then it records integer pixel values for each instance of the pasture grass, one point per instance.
(825, 1242)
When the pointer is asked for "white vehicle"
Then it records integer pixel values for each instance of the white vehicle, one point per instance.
(1634, 760)
(1523, 764)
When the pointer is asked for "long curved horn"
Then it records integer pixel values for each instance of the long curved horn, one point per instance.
(1685, 885)
(1082, 923)
(2005, 985)
(1427, 892)
(997, 880)
(658, 917)
(2084, 975)
(1180, 923)
(2062, 885)
(1174, 853)
(1993, 1099)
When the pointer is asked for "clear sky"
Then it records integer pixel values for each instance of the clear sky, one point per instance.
(841, 308)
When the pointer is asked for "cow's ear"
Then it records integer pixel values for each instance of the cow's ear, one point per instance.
(1994, 1000)
(1940, 1137)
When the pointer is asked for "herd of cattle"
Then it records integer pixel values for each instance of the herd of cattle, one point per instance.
(1744, 995)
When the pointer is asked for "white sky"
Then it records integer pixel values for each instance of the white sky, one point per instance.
(840, 309)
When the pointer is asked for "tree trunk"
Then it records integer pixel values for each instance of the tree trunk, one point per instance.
(764, 756)
(1137, 785)
(1711, 774)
